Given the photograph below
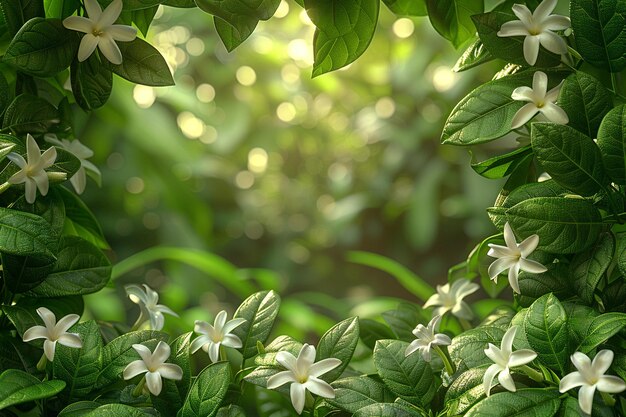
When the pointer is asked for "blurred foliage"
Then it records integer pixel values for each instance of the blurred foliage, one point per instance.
(251, 159)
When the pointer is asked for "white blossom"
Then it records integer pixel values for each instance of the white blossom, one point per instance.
(539, 101)
(100, 30)
(450, 298)
(590, 376)
(147, 301)
(514, 257)
(427, 337)
(303, 373)
(505, 359)
(32, 172)
(537, 27)
(82, 152)
(154, 366)
(212, 337)
(53, 332)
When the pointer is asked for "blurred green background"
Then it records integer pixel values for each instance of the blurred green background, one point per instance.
(280, 175)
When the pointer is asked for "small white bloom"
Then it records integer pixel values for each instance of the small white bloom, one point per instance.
(303, 373)
(590, 376)
(54, 332)
(100, 30)
(540, 101)
(538, 29)
(513, 257)
(147, 301)
(154, 366)
(32, 173)
(450, 298)
(427, 337)
(212, 337)
(82, 152)
(505, 359)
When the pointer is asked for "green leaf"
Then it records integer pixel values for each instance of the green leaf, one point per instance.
(79, 409)
(17, 387)
(403, 320)
(117, 410)
(407, 7)
(173, 394)
(134, 4)
(385, 410)
(569, 408)
(371, 331)
(207, 391)
(467, 349)
(50, 207)
(119, 353)
(572, 159)
(259, 310)
(344, 31)
(236, 11)
(60, 9)
(466, 390)
(26, 234)
(231, 411)
(79, 368)
(187, 4)
(547, 333)
(30, 114)
(142, 64)
(587, 268)
(612, 143)
(475, 54)
(555, 280)
(16, 354)
(564, 225)
(91, 83)
(23, 314)
(17, 12)
(281, 343)
(524, 402)
(338, 342)
(600, 27)
(233, 36)
(42, 48)
(486, 113)
(503, 165)
(409, 377)
(4, 101)
(354, 393)
(452, 18)
(81, 268)
(600, 330)
(586, 101)
(142, 18)
(80, 221)
(22, 273)
(579, 319)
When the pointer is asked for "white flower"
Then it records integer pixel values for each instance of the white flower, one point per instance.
(80, 151)
(32, 173)
(426, 338)
(537, 28)
(215, 336)
(590, 376)
(303, 373)
(147, 301)
(100, 30)
(513, 257)
(154, 366)
(54, 332)
(540, 101)
(504, 359)
(450, 298)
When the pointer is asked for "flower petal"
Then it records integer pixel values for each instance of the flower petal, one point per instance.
(70, 340)
(528, 245)
(505, 379)
(165, 309)
(553, 42)
(279, 379)
(78, 23)
(500, 265)
(48, 349)
(66, 322)
(171, 371)
(30, 190)
(297, 393)
(523, 93)
(319, 387)
(110, 50)
(523, 13)
(462, 310)
(513, 28)
(35, 332)
(306, 357)
(507, 340)
(553, 94)
(543, 10)
(523, 115)
(323, 366)
(232, 341)
(220, 320)
(489, 376)
(611, 384)
(513, 281)
(110, 14)
(572, 380)
(136, 294)
(434, 300)
(287, 360)
(48, 317)
(462, 288)
(554, 113)
(556, 22)
(122, 33)
(602, 361)
(88, 44)
(17, 159)
(157, 321)
(32, 150)
(521, 357)
(583, 364)
(531, 266)
(412, 347)
(154, 382)
(93, 9)
(161, 353)
(134, 368)
(233, 324)
(79, 180)
(531, 49)
(585, 398)
(214, 352)
(198, 342)
(144, 352)
(41, 180)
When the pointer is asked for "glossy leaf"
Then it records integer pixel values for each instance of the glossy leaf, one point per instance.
(385, 410)
(26, 234)
(467, 349)
(503, 165)
(452, 18)
(173, 394)
(117, 410)
(338, 342)
(530, 402)
(30, 114)
(259, 310)
(60, 9)
(612, 143)
(80, 221)
(207, 391)
(91, 83)
(142, 64)
(475, 54)
(17, 12)
(587, 268)
(407, 7)
(466, 390)
(601, 329)
(546, 330)
(17, 387)
(233, 36)
(354, 393)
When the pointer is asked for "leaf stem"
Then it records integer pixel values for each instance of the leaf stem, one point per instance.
(445, 357)
(41, 365)
(532, 373)
(138, 391)
(607, 398)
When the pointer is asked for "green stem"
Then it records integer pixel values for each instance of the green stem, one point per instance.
(445, 357)
(532, 373)
(465, 324)
(41, 365)
(138, 391)
(608, 399)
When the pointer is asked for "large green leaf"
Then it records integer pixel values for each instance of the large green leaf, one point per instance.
(344, 31)
(572, 159)
(409, 377)
(17, 387)
(79, 368)
(524, 402)
(555, 280)
(403, 320)
(232, 11)
(586, 101)
(503, 165)
(466, 390)
(386, 410)
(26, 234)
(467, 349)
(142, 64)
(600, 27)
(134, 4)
(259, 310)
(16, 354)
(80, 221)
(117, 410)
(547, 332)
(207, 392)
(233, 36)
(587, 268)
(22, 273)
(474, 55)
(564, 225)
(601, 329)
(173, 394)
(79, 409)
(354, 393)
(338, 342)
(612, 143)
(452, 18)
(91, 83)
(30, 114)
(60, 9)
(17, 12)
(407, 7)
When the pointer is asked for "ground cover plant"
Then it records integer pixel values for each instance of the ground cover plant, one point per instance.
(557, 349)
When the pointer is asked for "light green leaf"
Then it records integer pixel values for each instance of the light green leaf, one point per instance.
(466, 390)
(601, 329)
(524, 402)
(547, 332)
(354, 393)
(503, 165)
(338, 342)
(587, 268)
(281, 343)
(612, 143)
(475, 54)
(17, 387)
(117, 410)
(259, 310)
(452, 18)
(407, 7)
(142, 64)
(207, 392)
(233, 36)
(386, 410)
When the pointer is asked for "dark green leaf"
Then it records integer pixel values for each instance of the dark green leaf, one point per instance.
(17, 12)
(16, 354)
(524, 402)
(555, 280)
(385, 410)
(91, 83)
(371, 331)
(17, 387)
(354, 393)
(612, 143)
(503, 165)
(60, 9)
(467, 349)
(142, 18)
(26, 234)
(338, 342)
(231, 411)
(587, 268)
(22, 273)
(466, 390)
(233, 36)
(142, 64)
(281, 343)
(579, 319)
(23, 314)
(259, 310)
(452, 18)
(187, 4)
(547, 333)
(4, 96)
(117, 410)
(403, 320)
(207, 391)
(80, 221)
(30, 114)
(601, 329)
(171, 398)
(407, 7)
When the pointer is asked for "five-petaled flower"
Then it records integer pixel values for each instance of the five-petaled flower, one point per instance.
(514, 257)
(505, 359)
(450, 298)
(212, 337)
(150, 310)
(427, 337)
(80, 151)
(537, 27)
(539, 101)
(303, 373)
(590, 376)
(100, 30)
(32, 172)
(154, 366)
(54, 332)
